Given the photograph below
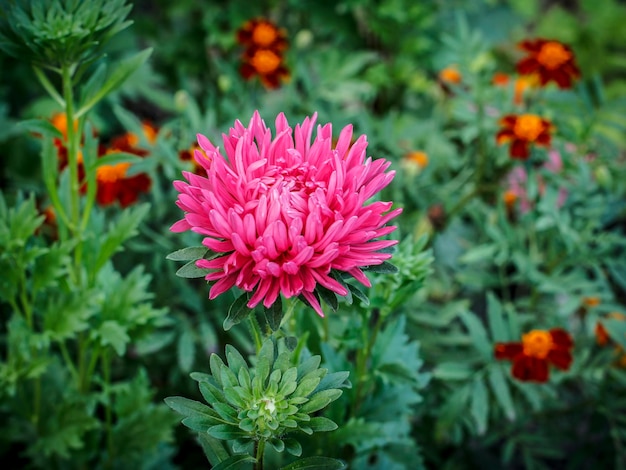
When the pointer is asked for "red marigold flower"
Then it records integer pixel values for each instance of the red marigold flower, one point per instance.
(114, 185)
(535, 352)
(263, 34)
(550, 60)
(523, 130)
(283, 212)
(129, 141)
(265, 63)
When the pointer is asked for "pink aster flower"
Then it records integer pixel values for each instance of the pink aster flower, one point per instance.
(283, 212)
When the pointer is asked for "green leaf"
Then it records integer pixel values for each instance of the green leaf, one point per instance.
(191, 271)
(186, 350)
(452, 371)
(501, 390)
(496, 320)
(328, 296)
(40, 126)
(383, 268)
(237, 312)
(321, 424)
(115, 158)
(188, 254)
(190, 408)
(479, 405)
(293, 447)
(114, 334)
(213, 449)
(477, 334)
(120, 72)
(124, 228)
(359, 294)
(334, 380)
(235, 462)
(274, 314)
(320, 400)
(315, 463)
(277, 444)
(227, 432)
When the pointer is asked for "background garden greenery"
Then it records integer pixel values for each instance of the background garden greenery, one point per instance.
(92, 343)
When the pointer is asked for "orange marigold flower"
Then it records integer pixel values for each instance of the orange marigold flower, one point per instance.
(550, 60)
(538, 348)
(59, 120)
(602, 335)
(523, 130)
(591, 301)
(129, 141)
(265, 63)
(114, 185)
(509, 197)
(262, 33)
(500, 79)
(418, 158)
(451, 75)
(194, 154)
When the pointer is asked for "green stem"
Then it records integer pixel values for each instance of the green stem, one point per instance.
(363, 357)
(259, 452)
(69, 362)
(72, 148)
(106, 374)
(255, 330)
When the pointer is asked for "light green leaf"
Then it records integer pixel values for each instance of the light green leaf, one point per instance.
(188, 254)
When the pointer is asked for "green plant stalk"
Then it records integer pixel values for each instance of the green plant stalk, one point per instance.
(106, 374)
(72, 148)
(259, 451)
(363, 357)
(48, 86)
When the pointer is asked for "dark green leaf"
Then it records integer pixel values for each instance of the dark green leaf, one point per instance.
(237, 312)
(188, 254)
(274, 314)
(235, 462)
(315, 463)
(191, 271)
(383, 268)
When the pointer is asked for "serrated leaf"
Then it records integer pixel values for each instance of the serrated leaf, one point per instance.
(188, 254)
(315, 463)
(452, 371)
(113, 334)
(496, 320)
(186, 350)
(237, 312)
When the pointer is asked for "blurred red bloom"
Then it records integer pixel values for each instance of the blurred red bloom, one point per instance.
(262, 34)
(113, 183)
(535, 352)
(263, 56)
(523, 130)
(550, 60)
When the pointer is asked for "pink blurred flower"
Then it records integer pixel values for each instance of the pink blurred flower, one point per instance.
(283, 212)
(517, 182)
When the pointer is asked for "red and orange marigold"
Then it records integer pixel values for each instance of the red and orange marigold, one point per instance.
(260, 33)
(537, 350)
(523, 130)
(550, 61)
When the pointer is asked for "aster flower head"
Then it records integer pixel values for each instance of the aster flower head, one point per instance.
(550, 61)
(537, 350)
(523, 130)
(284, 214)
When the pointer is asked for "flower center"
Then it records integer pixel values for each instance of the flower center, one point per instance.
(268, 405)
(528, 127)
(552, 55)
(264, 34)
(537, 343)
(265, 61)
(111, 173)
